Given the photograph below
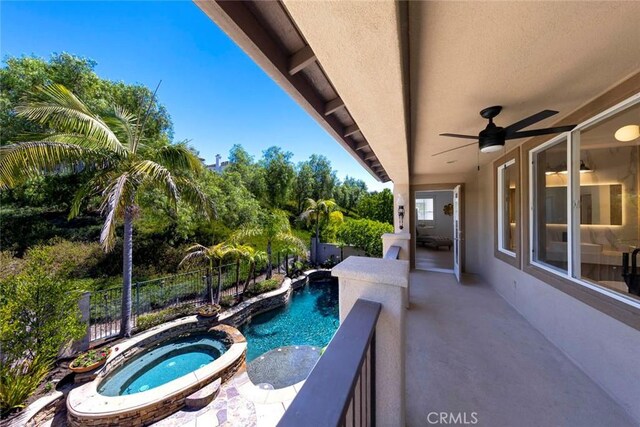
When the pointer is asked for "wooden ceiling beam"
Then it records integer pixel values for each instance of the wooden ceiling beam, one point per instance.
(301, 60)
(350, 130)
(333, 106)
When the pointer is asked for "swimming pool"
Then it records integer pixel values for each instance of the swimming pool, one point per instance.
(162, 363)
(310, 318)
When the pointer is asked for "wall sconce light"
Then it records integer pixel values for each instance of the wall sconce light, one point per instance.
(562, 169)
(401, 211)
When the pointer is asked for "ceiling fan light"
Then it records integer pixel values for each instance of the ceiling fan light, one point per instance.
(628, 133)
(491, 148)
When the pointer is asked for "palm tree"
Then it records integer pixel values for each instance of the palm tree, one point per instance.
(237, 252)
(254, 257)
(288, 249)
(276, 229)
(314, 211)
(123, 162)
(212, 254)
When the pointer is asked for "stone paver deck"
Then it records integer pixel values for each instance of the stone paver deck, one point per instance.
(240, 403)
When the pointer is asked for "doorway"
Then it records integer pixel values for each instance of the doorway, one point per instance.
(435, 230)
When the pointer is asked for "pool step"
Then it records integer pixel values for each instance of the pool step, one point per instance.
(204, 396)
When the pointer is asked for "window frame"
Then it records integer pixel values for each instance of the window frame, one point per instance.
(510, 257)
(572, 276)
(433, 207)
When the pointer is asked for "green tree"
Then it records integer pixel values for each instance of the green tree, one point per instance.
(39, 311)
(349, 193)
(237, 252)
(21, 74)
(124, 163)
(253, 257)
(302, 185)
(251, 174)
(274, 227)
(324, 177)
(213, 255)
(278, 176)
(377, 206)
(314, 212)
(52, 194)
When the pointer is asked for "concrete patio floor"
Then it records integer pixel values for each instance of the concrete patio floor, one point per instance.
(469, 351)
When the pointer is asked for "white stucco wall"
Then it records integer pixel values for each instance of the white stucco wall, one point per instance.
(606, 349)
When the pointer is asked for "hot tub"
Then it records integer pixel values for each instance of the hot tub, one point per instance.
(150, 375)
(164, 362)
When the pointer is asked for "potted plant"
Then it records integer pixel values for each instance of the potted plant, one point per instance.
(90, 360)
(209, 310)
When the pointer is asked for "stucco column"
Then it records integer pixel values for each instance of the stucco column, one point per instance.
(403, 240)
(401, 191)
(397, 239)
(383, 281)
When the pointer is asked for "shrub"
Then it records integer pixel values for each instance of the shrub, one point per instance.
(39, 311)
(18, 381)
(149, 320)
(227, 301)
(9, 265)
(264, 286)
(364, 234)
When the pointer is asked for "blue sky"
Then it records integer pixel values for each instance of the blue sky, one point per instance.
(215, 94)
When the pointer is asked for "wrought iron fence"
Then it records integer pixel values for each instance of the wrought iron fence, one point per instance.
(193, 287)
(148, 296)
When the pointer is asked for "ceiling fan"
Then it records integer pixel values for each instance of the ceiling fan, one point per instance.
(493, 137)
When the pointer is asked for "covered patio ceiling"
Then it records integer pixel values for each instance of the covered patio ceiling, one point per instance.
(525, 56)
(408, 71)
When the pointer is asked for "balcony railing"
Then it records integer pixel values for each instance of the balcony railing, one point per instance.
(341, 389)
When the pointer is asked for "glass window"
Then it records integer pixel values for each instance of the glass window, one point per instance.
(607, 205)
(507, 182)
(550, 177)
(424, 207)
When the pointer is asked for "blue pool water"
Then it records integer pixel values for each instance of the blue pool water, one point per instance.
(310, 318)
(162, 363)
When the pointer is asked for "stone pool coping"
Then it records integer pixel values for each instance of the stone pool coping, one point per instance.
(95, 408)
(86, 406)
(239, 314)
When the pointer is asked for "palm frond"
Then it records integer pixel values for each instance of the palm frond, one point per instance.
(124, 123)
(27, 159)
(93, 187)
(154, 174)
(117, 196)
(246, 233)
(292, 241)
(178, 157)
(191, 193)
(194, 256)
(62, 111)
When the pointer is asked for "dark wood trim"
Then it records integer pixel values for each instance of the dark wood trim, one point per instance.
(261, 41)
(514, 261)
(619, 310)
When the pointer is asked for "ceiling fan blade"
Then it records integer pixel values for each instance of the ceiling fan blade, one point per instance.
(536, 132)
(456, 135)
(529, 121)
(453, 149)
